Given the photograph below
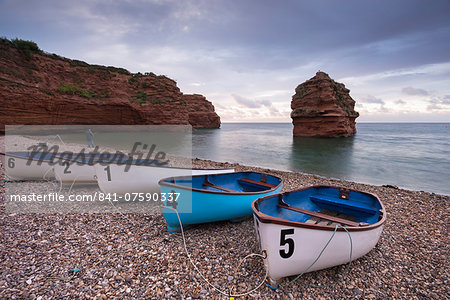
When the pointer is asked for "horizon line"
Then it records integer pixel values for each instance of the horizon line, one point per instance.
(364, 122)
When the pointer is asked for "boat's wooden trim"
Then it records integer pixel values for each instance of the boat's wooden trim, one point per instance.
(263, 218)
(174, 185)
(265, 184)
(321, 216)
(209, 183)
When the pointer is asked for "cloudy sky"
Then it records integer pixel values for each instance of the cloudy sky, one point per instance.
(247, 57)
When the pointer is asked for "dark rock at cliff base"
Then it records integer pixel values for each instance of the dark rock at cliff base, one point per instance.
(323, 107)
(38, 88)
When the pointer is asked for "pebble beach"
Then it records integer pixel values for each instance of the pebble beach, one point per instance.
(131, 256)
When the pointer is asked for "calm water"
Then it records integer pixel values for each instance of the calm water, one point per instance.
(412, 156)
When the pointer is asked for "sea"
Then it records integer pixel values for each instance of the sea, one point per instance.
(413, 156)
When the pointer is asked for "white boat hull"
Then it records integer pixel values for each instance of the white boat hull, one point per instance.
(16, 168)
(277, 240)
(141, 179)
(75, 174)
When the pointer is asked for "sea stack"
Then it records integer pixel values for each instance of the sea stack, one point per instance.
(323, 107)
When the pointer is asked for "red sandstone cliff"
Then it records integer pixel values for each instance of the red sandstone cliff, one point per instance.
(46, 89)
(199, 112)
(323, 107)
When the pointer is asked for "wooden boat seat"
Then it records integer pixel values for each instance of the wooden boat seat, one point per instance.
(348, 204)
(254, 182)
(321, 216)
(221, 188)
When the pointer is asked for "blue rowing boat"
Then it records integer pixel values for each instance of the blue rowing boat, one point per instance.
(209, 198)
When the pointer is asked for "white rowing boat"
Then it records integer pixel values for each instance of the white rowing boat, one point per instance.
(293, 228)
(80, 170)
(23, 166)
(114, 178)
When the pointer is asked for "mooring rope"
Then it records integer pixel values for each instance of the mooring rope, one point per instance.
(314, 262)
(228, 294)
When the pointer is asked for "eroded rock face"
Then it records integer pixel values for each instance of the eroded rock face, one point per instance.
(323, 107)
(199, 110)
(43, 89)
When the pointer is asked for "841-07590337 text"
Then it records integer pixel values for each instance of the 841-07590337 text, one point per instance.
(97, 196)
(139, 197)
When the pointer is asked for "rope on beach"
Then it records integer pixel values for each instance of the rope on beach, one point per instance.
(206, 280)
(320, 254)
(73, 183)
(44, 177)
(59, 137)
(64, 279)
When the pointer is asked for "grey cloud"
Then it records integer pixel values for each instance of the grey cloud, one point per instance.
(246, 102)
(276, 113)
(265, 103)
(414, 91)
(260, 36)
(274, 110)
(218, 105)
(442, 103)
(383, 109)
(372, 99)
(400, 101)
(434, 107)
(251, 103)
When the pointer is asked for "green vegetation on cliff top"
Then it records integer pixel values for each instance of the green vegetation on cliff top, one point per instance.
(27, 48)
(30, 47)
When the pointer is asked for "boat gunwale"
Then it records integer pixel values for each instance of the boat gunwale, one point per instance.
(56, 156)
(14, 155)
(172, 167)
(80, 182)
(58, 160)
(98, 162)
(264, 218)
(169, 184)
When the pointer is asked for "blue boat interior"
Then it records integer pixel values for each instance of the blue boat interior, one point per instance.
(324, 206)
(37, 156)
(228, 183)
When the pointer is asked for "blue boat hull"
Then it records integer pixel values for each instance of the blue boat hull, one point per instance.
(201, 204)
